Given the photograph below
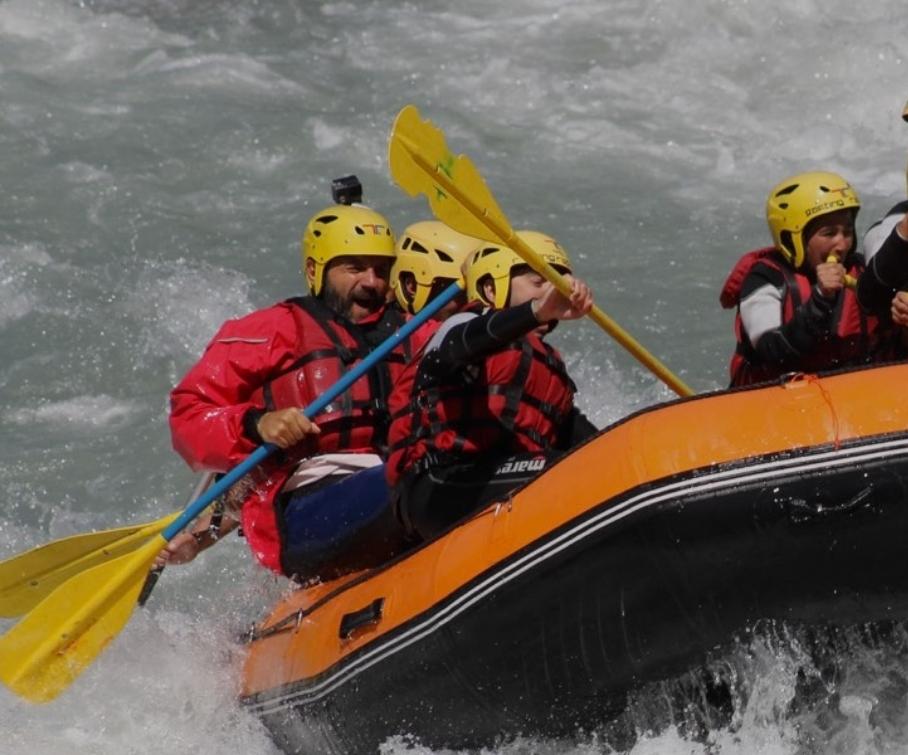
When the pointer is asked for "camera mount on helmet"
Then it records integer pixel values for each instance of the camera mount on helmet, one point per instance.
(347, 190)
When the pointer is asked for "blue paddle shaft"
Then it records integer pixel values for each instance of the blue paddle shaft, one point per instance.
(265, 450)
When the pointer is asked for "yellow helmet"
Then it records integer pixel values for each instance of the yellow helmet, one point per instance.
(796, 201)
(498, 261)
(431, 252)
(340, 231)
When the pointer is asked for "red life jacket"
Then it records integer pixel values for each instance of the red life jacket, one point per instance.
(403, 412)
(357, 420)
(851, 333)
(516, 402)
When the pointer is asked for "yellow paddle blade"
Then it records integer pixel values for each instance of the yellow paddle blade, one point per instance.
(26, 579)
(55, 642)
(421, 163)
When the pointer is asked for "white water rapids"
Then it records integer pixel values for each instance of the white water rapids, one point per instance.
(159, 159)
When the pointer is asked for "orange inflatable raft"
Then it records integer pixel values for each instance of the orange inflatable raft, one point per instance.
(624, 563)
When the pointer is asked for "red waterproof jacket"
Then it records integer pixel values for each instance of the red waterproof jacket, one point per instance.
(285, 355)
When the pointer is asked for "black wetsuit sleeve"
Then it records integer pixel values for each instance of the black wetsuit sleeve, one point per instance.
(886, 273)
(475, 339)
(811, 323)
(575, 430)
(250, 425)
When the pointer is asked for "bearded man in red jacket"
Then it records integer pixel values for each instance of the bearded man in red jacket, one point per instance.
(261, 369)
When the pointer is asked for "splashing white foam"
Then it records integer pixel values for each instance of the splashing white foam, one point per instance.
(100, 411)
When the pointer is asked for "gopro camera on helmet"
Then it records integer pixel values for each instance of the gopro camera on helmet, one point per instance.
(347, 190)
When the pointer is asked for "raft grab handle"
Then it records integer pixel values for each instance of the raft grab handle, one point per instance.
(802, 511)
(354, 620)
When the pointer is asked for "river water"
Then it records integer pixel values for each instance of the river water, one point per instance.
(159, 160)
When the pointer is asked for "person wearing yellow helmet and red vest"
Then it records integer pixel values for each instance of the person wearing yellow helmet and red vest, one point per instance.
(430, 257)
(261, 369)
(489, 401)
(794, 310)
